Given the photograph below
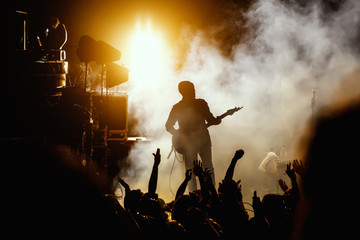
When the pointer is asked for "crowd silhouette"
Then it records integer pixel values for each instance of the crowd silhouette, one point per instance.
(210, 213)
(47, 198)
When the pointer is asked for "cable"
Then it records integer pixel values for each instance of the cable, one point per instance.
(176, 156)
(172, 167)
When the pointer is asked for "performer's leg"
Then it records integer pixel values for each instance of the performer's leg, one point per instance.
(206, 158)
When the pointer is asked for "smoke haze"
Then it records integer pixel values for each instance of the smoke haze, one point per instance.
(290, 51)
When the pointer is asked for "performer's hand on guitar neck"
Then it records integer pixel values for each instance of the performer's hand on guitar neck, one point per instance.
(218, 120)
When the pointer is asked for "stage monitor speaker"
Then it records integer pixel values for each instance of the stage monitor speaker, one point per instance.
(116, 112)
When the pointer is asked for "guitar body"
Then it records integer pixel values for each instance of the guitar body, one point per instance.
(178, 143)
(189, 140)
(180, 140)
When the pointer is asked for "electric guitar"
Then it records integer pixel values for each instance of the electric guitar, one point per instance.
(178, 140)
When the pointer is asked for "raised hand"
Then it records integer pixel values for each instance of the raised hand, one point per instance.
(238, 154)
(207, 173)
(154, 173)
(295, 188)
(183, 185)
(188, 174)
(283, 185)
(157, 157)
(299, 167)
(257, 205)
(209, 182)
(290, 172)
(198, 170)
(230, 171)
(124, 184)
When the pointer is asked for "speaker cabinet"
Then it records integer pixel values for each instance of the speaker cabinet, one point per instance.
(113, 110)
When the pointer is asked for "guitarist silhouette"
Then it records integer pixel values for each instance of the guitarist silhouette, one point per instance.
(192, 137)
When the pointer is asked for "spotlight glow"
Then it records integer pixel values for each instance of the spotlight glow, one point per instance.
(147, 54)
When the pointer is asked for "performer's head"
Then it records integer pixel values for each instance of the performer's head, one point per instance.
(187, 89)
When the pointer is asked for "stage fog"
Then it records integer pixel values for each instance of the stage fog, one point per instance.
(293, 61)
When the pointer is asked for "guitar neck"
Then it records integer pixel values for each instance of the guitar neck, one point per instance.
(221, 117)
(227, 113)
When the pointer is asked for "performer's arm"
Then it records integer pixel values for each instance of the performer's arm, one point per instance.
(209, 117)
(169, 125)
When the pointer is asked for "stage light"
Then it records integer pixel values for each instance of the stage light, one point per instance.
(90, 50)
(116, 75)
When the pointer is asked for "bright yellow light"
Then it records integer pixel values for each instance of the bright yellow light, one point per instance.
(147, 54)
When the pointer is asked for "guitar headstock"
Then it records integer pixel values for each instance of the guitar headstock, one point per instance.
(233, 110)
